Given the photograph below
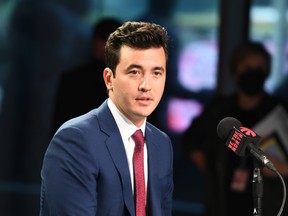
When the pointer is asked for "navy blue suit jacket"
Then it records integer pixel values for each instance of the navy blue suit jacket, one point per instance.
(85, 171)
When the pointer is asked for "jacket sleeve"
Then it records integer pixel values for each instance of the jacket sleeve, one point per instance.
(68, 186)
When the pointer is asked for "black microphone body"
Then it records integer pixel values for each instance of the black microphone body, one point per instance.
(242, 141)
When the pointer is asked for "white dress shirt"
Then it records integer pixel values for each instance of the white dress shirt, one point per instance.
(127, 129)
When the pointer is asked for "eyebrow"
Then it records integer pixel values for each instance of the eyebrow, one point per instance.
(140, 67)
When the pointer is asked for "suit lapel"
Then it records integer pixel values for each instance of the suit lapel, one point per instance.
(117, 151)
(153, 181)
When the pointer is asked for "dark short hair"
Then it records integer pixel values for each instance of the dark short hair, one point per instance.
(141, 35)
(248, 48)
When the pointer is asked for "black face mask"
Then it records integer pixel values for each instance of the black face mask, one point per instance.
(251, 82)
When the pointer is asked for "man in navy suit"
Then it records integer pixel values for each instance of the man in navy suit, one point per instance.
(88, 166)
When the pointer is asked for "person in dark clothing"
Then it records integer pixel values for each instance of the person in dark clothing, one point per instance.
(82, 88)
(229, 177)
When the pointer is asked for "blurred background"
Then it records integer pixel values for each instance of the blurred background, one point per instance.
(39, 39)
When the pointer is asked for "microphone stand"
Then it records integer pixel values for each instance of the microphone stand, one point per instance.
(257, 190)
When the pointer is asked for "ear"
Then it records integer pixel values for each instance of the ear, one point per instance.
(108, 75)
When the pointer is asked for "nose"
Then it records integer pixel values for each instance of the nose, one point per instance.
(145, 84)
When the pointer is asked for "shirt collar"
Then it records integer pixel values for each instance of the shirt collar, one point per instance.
(126, 127)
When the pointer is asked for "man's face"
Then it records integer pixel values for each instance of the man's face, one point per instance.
(251, 74)
(252, 61)
(139, 82)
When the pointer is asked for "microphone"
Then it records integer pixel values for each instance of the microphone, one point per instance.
(242, 141)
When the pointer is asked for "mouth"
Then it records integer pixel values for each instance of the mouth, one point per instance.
(144, 100)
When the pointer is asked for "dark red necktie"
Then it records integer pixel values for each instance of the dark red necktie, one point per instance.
(139, 179)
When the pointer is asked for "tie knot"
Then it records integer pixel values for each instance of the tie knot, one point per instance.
(138, 138)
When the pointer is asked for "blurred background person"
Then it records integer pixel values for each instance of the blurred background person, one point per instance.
(40, 40)
(229, 177)
(82, 88)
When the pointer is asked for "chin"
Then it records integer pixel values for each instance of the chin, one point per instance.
(144, 114)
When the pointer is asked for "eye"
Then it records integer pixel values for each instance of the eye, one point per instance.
(134, 72)
(158, 73)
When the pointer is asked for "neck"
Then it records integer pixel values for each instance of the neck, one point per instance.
(247, 102)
